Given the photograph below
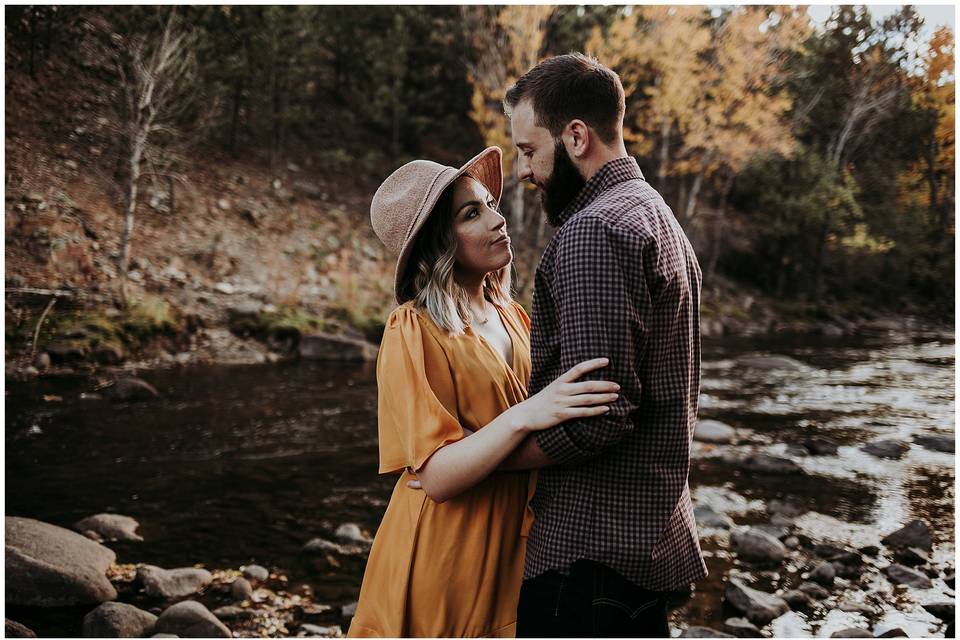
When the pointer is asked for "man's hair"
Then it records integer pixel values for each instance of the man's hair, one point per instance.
(429, 278)
(569, 87)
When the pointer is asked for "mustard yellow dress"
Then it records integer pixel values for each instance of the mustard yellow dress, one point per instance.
(452, 569)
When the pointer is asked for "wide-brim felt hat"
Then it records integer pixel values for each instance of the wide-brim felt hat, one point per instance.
(405, 200)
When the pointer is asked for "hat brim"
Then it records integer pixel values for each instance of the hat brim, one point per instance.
(486, 167)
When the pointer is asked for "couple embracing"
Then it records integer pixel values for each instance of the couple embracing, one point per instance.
(543, 487)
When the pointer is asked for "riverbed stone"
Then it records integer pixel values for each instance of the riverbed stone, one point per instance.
(714, 432)
(862, 608)
(756, 545)
(351, 533)
(108, 353)
(741, 628)
(118, 620)
(823, 573)
(317, 631)
(42, 361)
(798, 600)
(241, 589)
(791, 542)
(771, 362)
(66, 351)
(233, 612)
(896, 632)
(766, 463)
(851, 632)
(915, 534)
(110, 526)
(132, 390)
(190, 619)
(706, 516)
(936, 443)
(704, 632)
(892, 449)
(13, 629)
(813, 590)
(911, 556)
(49, 566)
(788, 508)
(946, 611)
(759, 607)
(349, 610)
(172, 583)
(821, 446)
(899, 574)
(325, 346)
(256, 573)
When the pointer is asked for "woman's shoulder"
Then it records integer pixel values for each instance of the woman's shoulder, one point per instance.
(408, 319)
(521, 313)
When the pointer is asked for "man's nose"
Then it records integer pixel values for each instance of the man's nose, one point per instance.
(523, 169)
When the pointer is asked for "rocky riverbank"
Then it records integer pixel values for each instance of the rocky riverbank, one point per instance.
(50, 568)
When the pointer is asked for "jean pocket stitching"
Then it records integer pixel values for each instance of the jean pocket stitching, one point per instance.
(633, 613)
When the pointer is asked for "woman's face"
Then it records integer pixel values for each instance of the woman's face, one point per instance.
(483, 245)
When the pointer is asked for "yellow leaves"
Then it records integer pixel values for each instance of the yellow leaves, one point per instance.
(862, 240)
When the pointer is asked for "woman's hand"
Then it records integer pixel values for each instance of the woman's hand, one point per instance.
(565, 399)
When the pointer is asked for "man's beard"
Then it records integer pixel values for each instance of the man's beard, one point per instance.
(563, 185)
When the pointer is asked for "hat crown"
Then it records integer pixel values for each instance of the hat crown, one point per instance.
(399, 200)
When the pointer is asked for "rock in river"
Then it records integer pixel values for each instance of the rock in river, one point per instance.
(172, 583)
(714, 431)
(741, 628)
(241, 589)
(190, 619)
(256, 573)
(132, 389)
(49, 566)
(757, 545)
(946, 611)
(324, 346)
(936, 443)
(118, 620)
(758, 606)
(823, 573)
(915, 534)
(110, 526)
(851, 633)
(16, 630)
(771, 362)
(707, 517)
(899, 574)
(892, 449)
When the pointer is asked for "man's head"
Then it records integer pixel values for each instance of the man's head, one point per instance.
(566, 116)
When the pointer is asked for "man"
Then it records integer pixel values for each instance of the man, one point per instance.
(614, 529)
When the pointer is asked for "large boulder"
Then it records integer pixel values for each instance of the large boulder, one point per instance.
(851, 632)
(190, 619)
(915, 534)
(325, 346)
(757, 546)
(110, 526)
(714, 432)
(814, 590)
(741, 628)
(14, 629)
(764, 463)
(350, 533)
(899, 574)
(823, 573)
(946, 611)
(256, 573)
(759, 607)
(172, 583)
(49, 566)
(118, 620)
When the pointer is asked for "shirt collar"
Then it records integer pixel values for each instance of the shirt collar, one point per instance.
(613, 172)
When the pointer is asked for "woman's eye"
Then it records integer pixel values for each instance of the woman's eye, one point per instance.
(472, 213)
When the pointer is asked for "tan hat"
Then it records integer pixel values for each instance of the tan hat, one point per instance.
(404, 201)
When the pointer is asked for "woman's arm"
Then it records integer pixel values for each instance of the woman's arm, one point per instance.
(456, 467)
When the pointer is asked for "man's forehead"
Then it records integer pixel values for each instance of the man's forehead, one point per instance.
(523, 125)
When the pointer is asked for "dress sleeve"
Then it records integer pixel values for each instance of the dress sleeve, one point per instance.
(416, 394)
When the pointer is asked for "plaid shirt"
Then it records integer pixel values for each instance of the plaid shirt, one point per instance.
(619, 279)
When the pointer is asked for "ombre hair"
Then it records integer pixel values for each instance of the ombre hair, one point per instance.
(429, 279)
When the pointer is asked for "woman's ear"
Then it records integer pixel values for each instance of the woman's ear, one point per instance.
(576, 137)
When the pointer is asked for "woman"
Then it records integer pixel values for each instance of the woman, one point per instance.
(455, 362)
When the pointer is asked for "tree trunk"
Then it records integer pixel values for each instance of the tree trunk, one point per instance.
(132, 187)
(691, 199)
(719, 227)
(818, 260)
(664, 154)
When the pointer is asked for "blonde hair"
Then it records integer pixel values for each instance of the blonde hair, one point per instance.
(429, 279)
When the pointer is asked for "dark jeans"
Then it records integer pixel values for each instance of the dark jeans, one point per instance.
(592, 601)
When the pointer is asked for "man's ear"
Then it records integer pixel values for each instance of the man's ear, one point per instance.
(576, 137)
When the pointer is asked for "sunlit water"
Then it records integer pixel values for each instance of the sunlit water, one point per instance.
(235, 465)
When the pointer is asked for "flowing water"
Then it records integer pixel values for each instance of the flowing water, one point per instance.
(242, 464)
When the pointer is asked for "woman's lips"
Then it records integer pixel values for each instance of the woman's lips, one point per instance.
(502, 239)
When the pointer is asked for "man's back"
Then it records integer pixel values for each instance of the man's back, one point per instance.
(620, 279)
